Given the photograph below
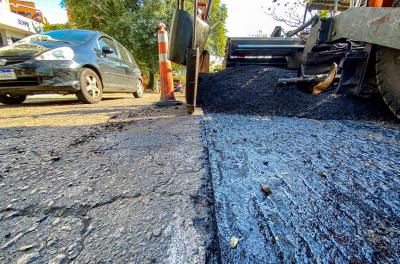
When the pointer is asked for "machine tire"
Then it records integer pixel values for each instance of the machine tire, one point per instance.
(388, 77)
(90, 83)
(139, 90)
(12, 100)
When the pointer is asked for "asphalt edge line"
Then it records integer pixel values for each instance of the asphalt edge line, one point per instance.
(207, 145)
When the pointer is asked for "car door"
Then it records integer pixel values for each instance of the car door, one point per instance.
(132, 73)
(137, 73)
(136, 69)
(110, 64)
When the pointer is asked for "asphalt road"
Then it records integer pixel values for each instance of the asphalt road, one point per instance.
(117, 182)
(123, 181)
(300, 178)
(333, 189)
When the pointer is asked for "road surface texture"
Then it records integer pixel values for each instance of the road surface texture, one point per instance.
(117, 182)
(297, 178)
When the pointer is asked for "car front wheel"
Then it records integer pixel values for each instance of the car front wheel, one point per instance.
(139, 90)
(12, 99)
(91, 91)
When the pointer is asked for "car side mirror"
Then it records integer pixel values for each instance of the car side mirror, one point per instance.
(107, 50)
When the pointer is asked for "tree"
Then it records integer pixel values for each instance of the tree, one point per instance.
(217, 41)
(134, 23)
(291, 12)
(48, 27)
(147, 19)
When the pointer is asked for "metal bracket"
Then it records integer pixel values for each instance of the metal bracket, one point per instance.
(353, 70)
(192, 70)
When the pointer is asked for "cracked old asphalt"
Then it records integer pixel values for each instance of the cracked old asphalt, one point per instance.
(73, 191)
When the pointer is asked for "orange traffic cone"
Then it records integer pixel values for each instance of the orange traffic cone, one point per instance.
(166, 80)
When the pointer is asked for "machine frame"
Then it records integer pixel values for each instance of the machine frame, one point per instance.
(368, 32)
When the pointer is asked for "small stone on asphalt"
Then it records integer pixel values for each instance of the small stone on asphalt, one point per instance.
(234, 241)
(26, 247)
(157, 232)
(28, 258)
(266, 189)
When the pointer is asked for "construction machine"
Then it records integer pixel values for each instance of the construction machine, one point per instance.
(358, 46)
(262, 51)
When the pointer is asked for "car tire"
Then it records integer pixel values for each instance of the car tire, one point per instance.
(91, 91)
(139, 90)
(11, 100)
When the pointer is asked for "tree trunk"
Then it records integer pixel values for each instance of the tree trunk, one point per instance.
(151, 81)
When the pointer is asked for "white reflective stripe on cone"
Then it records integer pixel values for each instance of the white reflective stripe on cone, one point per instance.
(162, 37)
(163, 57)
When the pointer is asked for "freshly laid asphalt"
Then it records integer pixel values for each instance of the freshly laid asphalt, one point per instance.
(252, 90)
(300, 178)
(334, 189)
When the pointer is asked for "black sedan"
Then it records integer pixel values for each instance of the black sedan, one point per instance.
(82, 62)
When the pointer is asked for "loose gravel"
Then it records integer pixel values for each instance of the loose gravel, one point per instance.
(252, 90)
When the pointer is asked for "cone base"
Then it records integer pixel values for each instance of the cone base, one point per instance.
(164, 103)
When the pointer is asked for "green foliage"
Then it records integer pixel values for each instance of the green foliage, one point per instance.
(215, 66)
(179, 72)
(49, 27)
(324, 13)
(132, 22)
(145, 26)
(217, 41)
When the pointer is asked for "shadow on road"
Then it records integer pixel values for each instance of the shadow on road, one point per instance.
(66, 111)
(43, 101)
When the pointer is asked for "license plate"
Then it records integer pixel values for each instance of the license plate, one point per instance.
(7, 75)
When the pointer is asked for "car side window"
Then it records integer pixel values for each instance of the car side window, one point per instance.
(123, 52)
(106, 42)
(128, 57)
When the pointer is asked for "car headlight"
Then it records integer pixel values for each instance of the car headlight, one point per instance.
(63, 53)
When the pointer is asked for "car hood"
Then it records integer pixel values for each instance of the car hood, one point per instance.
(29, 50)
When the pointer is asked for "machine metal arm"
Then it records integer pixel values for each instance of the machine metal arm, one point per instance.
(312, 21)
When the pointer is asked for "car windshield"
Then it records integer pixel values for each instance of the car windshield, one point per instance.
(68, 36)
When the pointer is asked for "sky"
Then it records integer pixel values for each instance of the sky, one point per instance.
(52, 11)
(245, 18)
